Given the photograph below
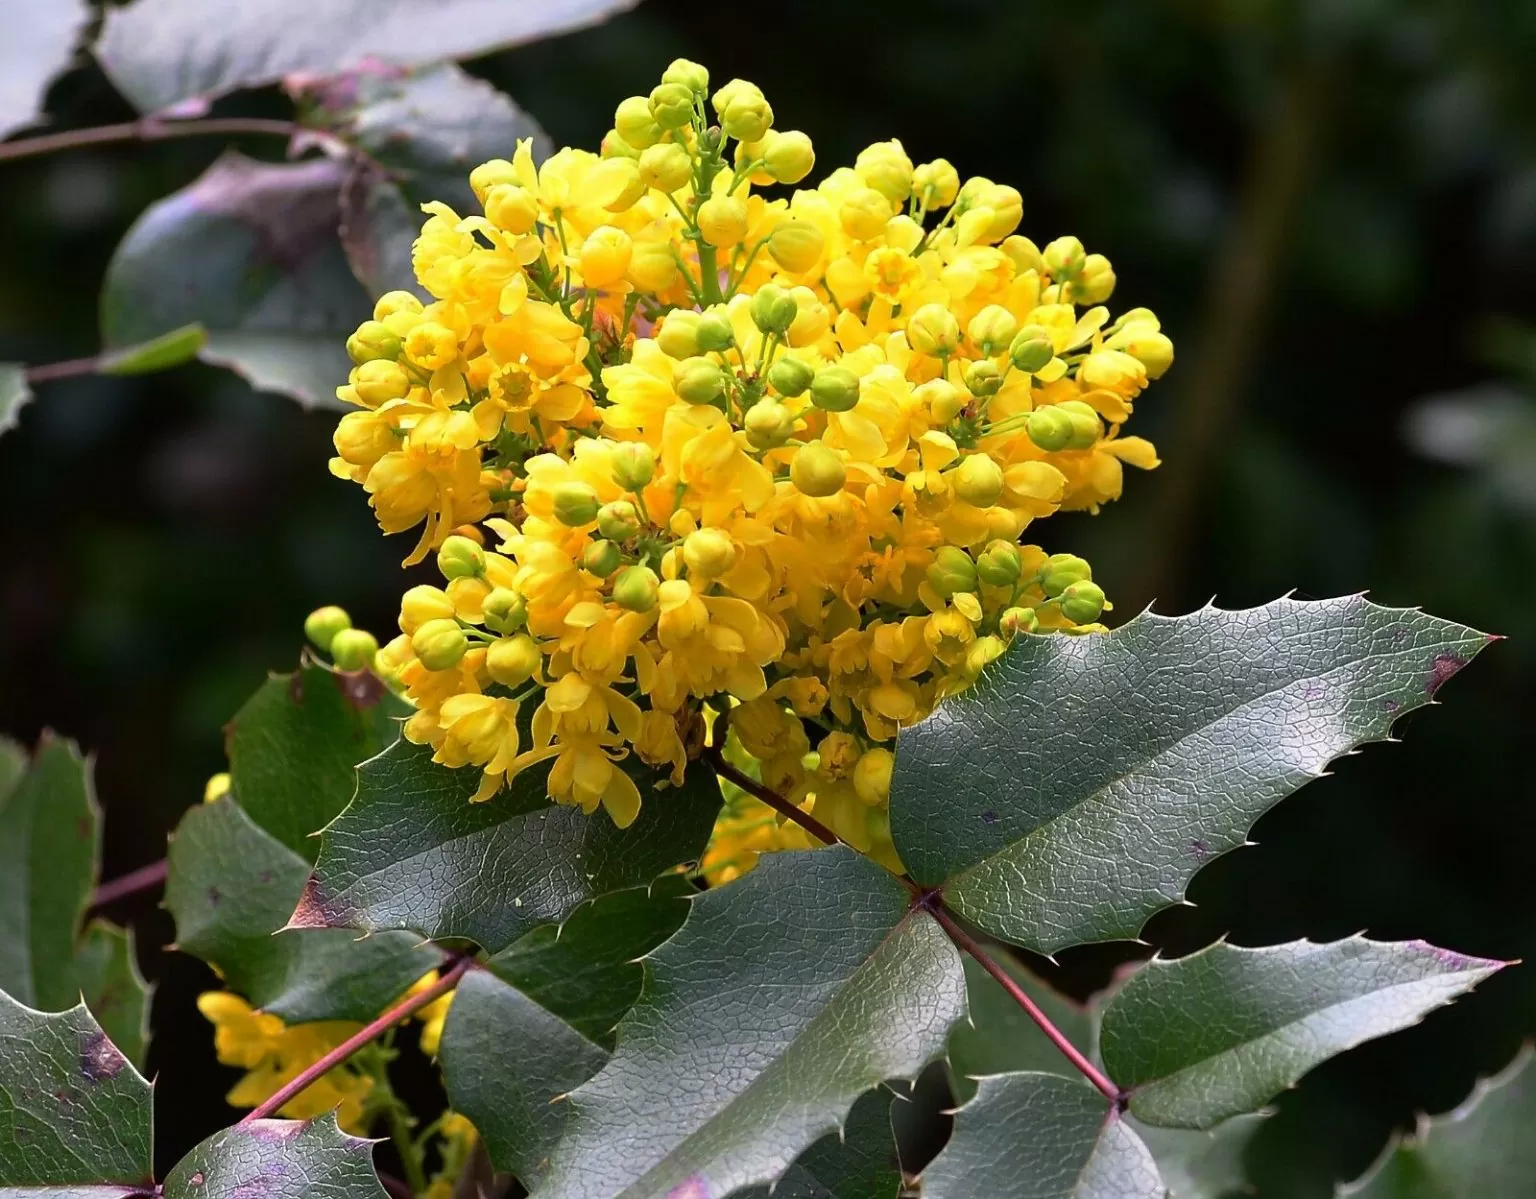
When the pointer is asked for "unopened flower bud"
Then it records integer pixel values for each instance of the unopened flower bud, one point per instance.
(978, 480)
(788, 156)
(1082, 602)
(942, 398)
(992, 328)
(723, 220)
(459, 557)
(575, 503)
(665, 166)
(511, 661)
(1152, 349)
(604, 256)
(790, 376)
(709, 552)
(1095, 283)
(885, 167)
(1024, 254)
(322, 625)
(440, 644)
(671, 105)
(952, 571)
(796, 245)
(835, 389)
(687, 73)
(1049, 428)
(773, 309)
(817, 470)
(1085, 424)
(678, 336)
(635, 124)
(872, 776)
(393, 302)
(636, 588)
(999, 565)
(614, 146)
(936, 184)
(379, 381)
(373, 339)
(488, 174)
(652, 267)
(933, 330)
(1032, 350)
(511, 208)
(699, 381)
(504, 610)
(634, 466)
(1019, 620)
(1061, 571)
(714, 332)
(863, 214)
(768, 423)
(1064, 257)
(421, 604)
(982, 377)
(601, 558)
(618, 521)
(354, 649)
(746, 116)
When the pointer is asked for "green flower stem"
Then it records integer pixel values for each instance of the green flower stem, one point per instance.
(769, 796)
(709, 271)
(410, 1155)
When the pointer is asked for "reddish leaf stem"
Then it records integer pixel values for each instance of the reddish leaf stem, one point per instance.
(769, 796)
(146, 129)
(1074, 1055)
(143, 879)
(402, 1010)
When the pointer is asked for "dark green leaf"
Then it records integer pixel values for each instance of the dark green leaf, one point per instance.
(1218, 1033)
(158, 354)
(277, 1159)
(295, 745)
(1200, 1165)
(1078, 786)
(784, 997)
(39, 41)
(489, 871)
(14, 393)
(1000, 1038)
(859, 1163)
(539, 1021)
(1041, 1136)
(250, 250)
(112, 987)
(73, 1110)
(13, 764)
(1482, 1150)
(163, 52)
(48, 854)
(231, 886)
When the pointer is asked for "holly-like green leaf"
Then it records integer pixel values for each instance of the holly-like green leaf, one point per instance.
(39, 40)
(1000, 1038)
(277, 1159)
(231, 886)
(1200, 1165)
(783, 998)
(74, 1113)
(489, 871)
(1201, 1038)
(48, 854)
(295, 745)
(858, 1162)
(250, 250)
(164, 52)
(1041, 1136)
(1482, 1150)
(112, 987)
(14, 393)
(1078, 786)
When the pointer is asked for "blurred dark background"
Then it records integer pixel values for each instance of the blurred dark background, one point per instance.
(1332, 205)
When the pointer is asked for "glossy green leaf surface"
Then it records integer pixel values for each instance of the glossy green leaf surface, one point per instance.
(783, 998)
(231, 887)
(277, 1159)
(858, 1162)
(74, 1113)
(1076, 788)
(1197, 1164)
(1041, 1136)
(1218, 1033)
(489, 871)
(112, 987)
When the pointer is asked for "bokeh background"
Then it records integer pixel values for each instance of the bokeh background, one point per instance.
(1332, 205)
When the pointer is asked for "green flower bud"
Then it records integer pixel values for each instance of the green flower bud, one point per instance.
(817, 470)
(1082, 602)
(1061, 571)
(634, 123)
(1064, 257)
(634, 465)
(788, 156)
(671, 105)
(999, 564)
(379, 381)
(942, 398)
(440, 644)
(601, 558)
(699, 381)
(459, 557)
(992, 328)
(982, 378)
(746, 116)
(576, 503)
(504, 610)
(835, 389)
(1032, 350)
(511, 661)
(790, 376)
(1049, 428)
(714, 332)
(1019, 620)
(678, 336)
(978, 480)
(952, 571)
(666, 166)
(768, 423)
(688, 74)
(322, 625)
(773, 309)
(1085, 424)
(353, 649)
(636, 588)
(373, 339)
(618, 521)
(1096, 282)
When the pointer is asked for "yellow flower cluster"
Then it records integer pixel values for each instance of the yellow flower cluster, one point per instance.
(684, 449)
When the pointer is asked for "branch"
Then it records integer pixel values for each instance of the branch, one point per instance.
(147, 129)
(769, 796)
(401, 1011)
(1059, 1039)
(143, 879)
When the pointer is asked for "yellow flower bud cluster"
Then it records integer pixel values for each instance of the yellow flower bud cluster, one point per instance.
(688, 449)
